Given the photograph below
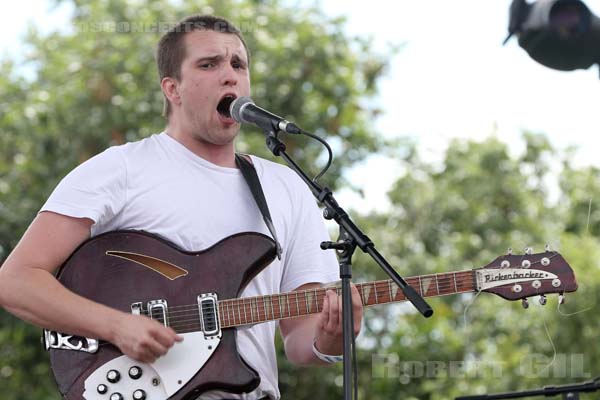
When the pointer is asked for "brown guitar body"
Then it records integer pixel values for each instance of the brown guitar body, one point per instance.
(98, 271)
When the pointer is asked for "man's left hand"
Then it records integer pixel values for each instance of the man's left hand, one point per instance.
(328, 335)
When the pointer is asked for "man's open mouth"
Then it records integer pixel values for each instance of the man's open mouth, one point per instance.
(225, 104)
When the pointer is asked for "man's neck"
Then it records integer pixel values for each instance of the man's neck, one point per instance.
(221, 155)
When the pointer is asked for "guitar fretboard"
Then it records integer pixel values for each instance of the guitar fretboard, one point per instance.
(252, 310)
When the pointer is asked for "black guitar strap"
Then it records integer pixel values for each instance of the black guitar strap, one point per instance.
(249, 173)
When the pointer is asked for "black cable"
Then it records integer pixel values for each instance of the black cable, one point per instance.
(329, 152)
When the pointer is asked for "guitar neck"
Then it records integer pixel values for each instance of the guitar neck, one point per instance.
(253, 310)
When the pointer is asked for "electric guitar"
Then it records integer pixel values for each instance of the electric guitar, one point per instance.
(196, 294)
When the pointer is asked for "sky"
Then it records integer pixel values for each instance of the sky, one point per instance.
(451, 79)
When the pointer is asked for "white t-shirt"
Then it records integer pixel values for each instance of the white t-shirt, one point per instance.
(159, 186)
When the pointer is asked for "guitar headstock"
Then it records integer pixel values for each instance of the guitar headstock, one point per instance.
(520, 276)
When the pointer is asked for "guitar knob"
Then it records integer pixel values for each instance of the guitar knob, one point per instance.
(135, 372)
(139, 395)
(116, 396)
(102, 388)
(113, 376)
(543, 300)
(525, 303)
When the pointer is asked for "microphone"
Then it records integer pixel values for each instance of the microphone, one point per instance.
(243, 109)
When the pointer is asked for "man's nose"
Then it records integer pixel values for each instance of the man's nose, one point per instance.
(229, 77)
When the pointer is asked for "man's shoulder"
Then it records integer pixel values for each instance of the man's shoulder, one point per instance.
(142, 145)
(273, 169)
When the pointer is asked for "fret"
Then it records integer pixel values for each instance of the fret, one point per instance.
(266, 307)
(455, 286)
(389, 282)
(238, 310)
(395, 289)
(316, 300)
(227, 313)
(362, 294)
(281, 306)
(307, 302)
(251, 311)
(245, 315)
(421, 286)
(287, 300)
(256, 309)
(437, 284)
(368, 292)
(232, 308)
(272, 307)
(297, 305)
(375, 290)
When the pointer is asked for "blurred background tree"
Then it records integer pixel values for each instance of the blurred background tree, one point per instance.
(83, 90)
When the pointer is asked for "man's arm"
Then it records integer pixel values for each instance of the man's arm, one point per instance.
(324, 327)
(29, 290)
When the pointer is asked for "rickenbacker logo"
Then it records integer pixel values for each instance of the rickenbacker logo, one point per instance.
(493, 277)
(515, 275)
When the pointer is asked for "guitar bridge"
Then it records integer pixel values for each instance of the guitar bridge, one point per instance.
(57, 340)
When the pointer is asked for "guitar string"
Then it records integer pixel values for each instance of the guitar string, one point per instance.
(465, 276)
(441, 286)
(539, 374)
(381, 287)
(444, 279)
(180, 326)
(194, 324)
(260, 318)
(237, 305)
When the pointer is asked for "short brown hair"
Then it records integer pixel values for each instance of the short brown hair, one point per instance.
(171, 50)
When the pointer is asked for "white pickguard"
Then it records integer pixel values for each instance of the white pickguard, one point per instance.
(159, 380)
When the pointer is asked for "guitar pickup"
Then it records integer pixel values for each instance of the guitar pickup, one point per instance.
(57, 340)
(209, 321)
(155, 309)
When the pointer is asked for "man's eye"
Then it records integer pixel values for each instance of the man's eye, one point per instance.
(238, 65)
(207, 65)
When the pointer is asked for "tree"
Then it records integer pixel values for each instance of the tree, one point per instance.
(96, 85)
(461, 214)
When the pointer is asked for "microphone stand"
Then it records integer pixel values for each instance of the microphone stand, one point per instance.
(569, 392)
(350, 237)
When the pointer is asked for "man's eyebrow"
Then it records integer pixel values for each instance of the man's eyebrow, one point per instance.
(238, 58)
(218, 57)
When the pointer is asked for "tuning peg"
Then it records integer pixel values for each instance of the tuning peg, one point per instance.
(561, 299)
(543, 299)
(525, 303)
(528, 250)
(509, 251)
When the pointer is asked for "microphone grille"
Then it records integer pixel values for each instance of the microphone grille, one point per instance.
(236, 107)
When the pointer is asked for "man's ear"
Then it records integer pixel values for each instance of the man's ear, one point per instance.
(170, 88)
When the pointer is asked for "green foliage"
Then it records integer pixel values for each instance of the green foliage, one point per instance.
(461, 214)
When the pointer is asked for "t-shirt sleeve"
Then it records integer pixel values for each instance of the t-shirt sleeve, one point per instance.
(96, 189)
(305, 261)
